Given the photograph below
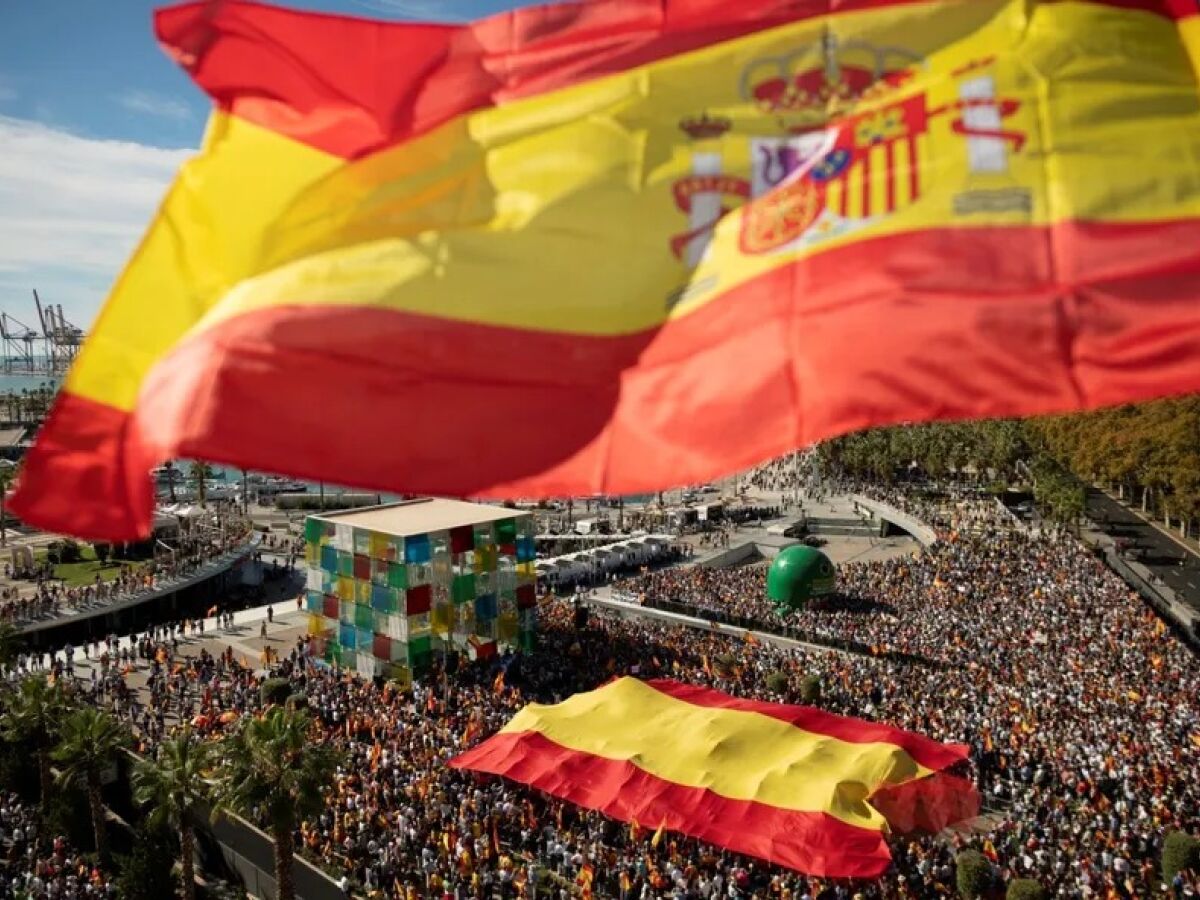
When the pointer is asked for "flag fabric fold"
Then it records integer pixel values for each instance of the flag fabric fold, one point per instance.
(618, 246)
(789, 784)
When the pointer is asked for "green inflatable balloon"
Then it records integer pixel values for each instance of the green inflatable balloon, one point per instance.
(797, 575)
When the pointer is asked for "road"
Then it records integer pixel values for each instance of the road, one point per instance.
(1159, 553)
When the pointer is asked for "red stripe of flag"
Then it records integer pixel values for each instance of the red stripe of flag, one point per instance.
(382, 83)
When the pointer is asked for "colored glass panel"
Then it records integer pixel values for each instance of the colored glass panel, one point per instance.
(362, 592)
(381, 546)
(418, 599)
(379, 571)
(526, 596)
(463, 589)
(486, 558)
(417, 549)
(383, 599)
(526, 549)
(345, 563)
(329, 558)
(506, 627)
(462, 539)
(314, 601)
(345, 589)
(314, 530)
(506, 531)
(381, 647)
(442, 618)
(364, 618)
(397, 575)
(485, 607)
(362, 567)
(418, 625)
(348, 636)
(330, 606)
(401, 675)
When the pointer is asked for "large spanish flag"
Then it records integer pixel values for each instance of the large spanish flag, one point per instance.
(790, 784)
(621, 244)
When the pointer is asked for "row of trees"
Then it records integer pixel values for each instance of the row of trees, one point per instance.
(1149, 453)
(27, 406)
(269, 770)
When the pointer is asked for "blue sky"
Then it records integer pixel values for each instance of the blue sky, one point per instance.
(94, 119)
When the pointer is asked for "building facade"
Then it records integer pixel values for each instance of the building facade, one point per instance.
(392, 586)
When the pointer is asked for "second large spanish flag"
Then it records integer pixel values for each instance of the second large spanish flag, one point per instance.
(624, 244)
(789, 784)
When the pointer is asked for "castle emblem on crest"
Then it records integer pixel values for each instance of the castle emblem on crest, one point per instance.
(848, 150)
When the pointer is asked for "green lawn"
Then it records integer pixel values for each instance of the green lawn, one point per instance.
(85, 571)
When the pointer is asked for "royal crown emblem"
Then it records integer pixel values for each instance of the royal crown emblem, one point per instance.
(852, 119)
(815, 84)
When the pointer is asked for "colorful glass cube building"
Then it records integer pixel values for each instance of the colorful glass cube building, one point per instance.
(390, 586)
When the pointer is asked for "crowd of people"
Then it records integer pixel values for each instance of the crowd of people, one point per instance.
(50, 596)
(1081, 710)
(36, 871)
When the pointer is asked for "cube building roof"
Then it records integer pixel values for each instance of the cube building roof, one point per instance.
(420, 516)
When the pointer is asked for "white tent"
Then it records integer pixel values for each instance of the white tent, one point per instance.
(164, 521)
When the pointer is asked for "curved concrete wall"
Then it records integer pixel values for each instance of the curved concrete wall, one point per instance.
(919, 530)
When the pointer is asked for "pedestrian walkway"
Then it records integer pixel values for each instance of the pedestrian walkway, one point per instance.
(605, 598)
(245, 636)
(163, 587)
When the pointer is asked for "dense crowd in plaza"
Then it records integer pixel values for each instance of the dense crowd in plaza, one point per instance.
(52, 872)
(1081, 710)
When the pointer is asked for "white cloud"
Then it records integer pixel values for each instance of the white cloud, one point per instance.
(73, 208)
(155, 105)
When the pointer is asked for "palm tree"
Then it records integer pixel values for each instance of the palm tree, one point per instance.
(89, 743)
(34, 718)
(8, 474)
(175, 788)
(200, 473)
(272, 769)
